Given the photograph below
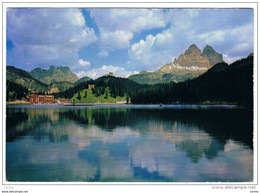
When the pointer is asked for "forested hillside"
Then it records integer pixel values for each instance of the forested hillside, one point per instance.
(222, 83)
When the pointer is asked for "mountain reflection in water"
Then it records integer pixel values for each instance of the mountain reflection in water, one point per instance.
(129, 144)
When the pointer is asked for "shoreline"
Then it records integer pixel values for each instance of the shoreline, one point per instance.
(91, 104)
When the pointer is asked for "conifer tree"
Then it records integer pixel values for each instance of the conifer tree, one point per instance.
(79, 96)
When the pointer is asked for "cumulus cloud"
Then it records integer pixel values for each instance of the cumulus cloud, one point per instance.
(235, 42)
(128, 19)
(141, 51)
(105, 69)
(118, 39)
(155, 51)
(150, 37)
(84, 63)
(47, 36)
(231, 34)
(117, 26)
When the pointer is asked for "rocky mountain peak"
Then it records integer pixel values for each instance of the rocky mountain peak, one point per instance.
(54, 74)
(192, 57)
(193, 49)
(213, 56)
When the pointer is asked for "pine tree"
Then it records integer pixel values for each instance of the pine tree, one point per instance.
(106, 94)
(85, 94)
(79, 96)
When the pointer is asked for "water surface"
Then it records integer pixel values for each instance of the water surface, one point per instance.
(129, 143)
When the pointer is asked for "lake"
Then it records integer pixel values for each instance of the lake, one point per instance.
(129, 143)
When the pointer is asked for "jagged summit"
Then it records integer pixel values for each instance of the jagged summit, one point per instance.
(192, 57)
(213, 56)
(54, 74)
(188, 65)
(193, 49)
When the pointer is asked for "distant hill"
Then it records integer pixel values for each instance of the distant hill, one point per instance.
(221, 83)
(54, 74)
(24, 79)
(188, 65)
(106, 88)
(83, 79)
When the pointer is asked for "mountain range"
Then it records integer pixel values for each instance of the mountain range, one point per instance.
(33, 84)
(188, 65)
(53, 74)
(23, 78)
(194, 69)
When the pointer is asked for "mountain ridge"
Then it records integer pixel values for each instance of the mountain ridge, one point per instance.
(23, 78)
(222, 83)
(54, 74)
(188, 65)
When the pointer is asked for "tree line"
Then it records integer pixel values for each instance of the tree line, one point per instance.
(15, 91)
(117, 87)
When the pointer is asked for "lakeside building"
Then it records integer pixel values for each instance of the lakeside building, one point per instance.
(39, 99)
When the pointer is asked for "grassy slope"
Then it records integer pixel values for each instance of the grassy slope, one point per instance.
(92, 99)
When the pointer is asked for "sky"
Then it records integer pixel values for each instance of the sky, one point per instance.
(93, 42)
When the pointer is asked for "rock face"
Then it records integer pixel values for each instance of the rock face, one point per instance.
(188, 65)
(212, 55)
(53, 74)
(192, 57)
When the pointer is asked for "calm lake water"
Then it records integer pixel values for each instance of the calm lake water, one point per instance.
(128, 143)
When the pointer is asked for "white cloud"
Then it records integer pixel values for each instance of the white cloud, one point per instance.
(141, 51)
(236, 42)
(212, 36)
(155, 51)
(229, 59)
(84, 63)
(231, 39)
(47, 37)
(118, 39)
(132, 20)
(98, 72)
(44, 37)
(117, 26)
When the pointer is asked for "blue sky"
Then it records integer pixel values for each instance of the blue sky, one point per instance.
(93, 42)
